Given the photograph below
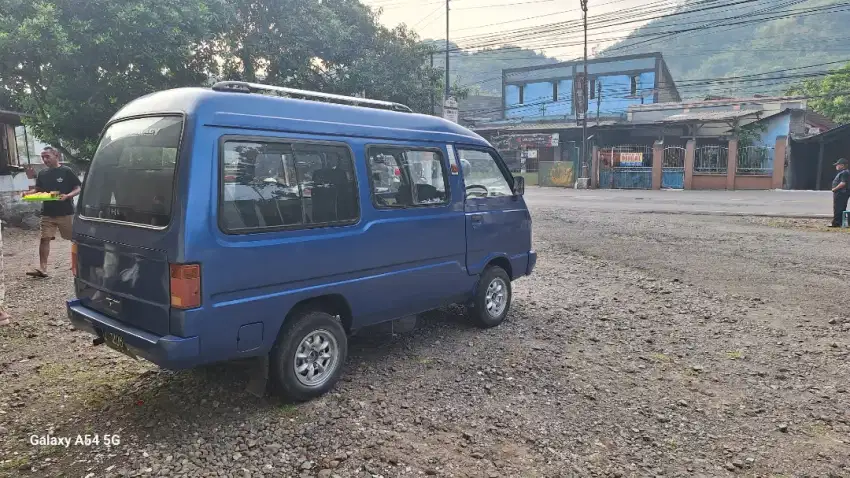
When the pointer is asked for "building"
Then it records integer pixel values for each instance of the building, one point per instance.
(637, 121)
(537, 120)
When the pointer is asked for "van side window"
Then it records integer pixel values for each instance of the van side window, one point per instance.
(482, 175)
(273, 185)
(407, 177)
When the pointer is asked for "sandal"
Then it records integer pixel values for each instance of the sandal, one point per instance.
(37, 273)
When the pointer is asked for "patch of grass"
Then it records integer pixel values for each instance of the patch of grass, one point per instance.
(15, 463)
(659, 357)
(424, 360)
(734, 355)
(288, 409)
(94, 385)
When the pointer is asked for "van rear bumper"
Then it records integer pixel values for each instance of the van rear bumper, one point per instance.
(169, 352)
(532, 261)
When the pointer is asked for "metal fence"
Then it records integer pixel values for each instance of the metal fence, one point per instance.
(625, 167)
(755, 160)
(711, 160)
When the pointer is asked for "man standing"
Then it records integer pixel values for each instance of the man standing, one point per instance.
(55, 215)
(840, 192)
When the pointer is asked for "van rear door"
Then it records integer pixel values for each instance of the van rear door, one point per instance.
(125, 209)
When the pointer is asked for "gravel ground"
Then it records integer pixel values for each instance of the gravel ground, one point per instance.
(643, 345)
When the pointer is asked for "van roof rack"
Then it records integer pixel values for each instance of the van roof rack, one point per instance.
(245, 87)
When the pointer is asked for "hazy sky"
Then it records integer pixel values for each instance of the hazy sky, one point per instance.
(472, 17)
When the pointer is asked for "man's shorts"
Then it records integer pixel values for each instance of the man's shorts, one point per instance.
(63, 224)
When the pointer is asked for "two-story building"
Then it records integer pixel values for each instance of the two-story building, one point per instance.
(538, 114)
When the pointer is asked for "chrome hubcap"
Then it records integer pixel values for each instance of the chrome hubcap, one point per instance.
(316, 358)
(495, 300)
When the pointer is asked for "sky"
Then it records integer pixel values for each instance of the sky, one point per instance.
(487, 17)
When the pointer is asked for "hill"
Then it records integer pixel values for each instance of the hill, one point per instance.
(481, 71)
(745, 39)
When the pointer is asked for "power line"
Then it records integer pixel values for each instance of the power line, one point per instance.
(779, 15)
(439, 8)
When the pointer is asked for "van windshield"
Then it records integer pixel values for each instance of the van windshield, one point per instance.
(131, 178)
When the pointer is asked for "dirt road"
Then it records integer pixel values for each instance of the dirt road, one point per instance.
(644, 345)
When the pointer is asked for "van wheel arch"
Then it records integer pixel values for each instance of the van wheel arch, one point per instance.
(333, 304)
(502, 262)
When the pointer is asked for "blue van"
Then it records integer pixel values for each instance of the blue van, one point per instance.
(254, 221)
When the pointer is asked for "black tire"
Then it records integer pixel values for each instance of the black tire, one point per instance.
(282, 372)
(481, 315)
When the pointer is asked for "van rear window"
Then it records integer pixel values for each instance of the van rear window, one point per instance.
(131, 178)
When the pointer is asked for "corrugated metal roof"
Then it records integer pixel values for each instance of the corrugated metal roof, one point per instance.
(543, 126)
(827, 135)
(709, 116)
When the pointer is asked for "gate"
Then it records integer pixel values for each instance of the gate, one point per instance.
(625, 167)
(711, 159)
(673, 168)
(755, 160)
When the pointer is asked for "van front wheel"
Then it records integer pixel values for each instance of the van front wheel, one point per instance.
(492, 298)
(308, 357)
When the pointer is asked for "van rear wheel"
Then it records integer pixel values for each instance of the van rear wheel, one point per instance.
(308, 357)
(492, 298)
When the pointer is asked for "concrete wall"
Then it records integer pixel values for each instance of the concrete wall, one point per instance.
(709, 181)
(753, 182)
(774, 127)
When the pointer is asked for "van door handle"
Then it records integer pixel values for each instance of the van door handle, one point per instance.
(477, 218)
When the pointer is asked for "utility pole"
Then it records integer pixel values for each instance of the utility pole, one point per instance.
(585, 80)
(434, 80)
(447, 49)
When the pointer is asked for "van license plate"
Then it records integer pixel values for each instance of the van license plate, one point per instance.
(117, 342)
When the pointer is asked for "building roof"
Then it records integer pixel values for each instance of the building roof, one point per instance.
(713, 102)
(545, 126)
(697, 117)
(601, 59)
(709, 116)
(839, 131)
(11, 117)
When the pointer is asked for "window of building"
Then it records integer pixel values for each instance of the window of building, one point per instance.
(270, 185)
(635, 84)
(404, 177)
(592, 91)
(482, 175)
(513, 95)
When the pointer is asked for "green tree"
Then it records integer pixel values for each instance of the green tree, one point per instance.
(71, 65)
(829, 96)
(335, 46)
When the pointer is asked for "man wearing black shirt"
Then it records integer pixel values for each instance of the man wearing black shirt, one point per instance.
(840, 192)
(55, 215)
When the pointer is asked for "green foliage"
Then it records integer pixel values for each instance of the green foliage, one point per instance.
(481, 71)
(335, 46)
(829, 96)
(725, 51)
(71, 65)
(749, 134)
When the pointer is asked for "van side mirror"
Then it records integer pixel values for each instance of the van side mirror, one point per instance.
(519, 185)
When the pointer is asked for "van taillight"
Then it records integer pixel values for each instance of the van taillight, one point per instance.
(185, 286)
(74, 258)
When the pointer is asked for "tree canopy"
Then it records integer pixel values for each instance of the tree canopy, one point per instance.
(829, 96)
(71, 65)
